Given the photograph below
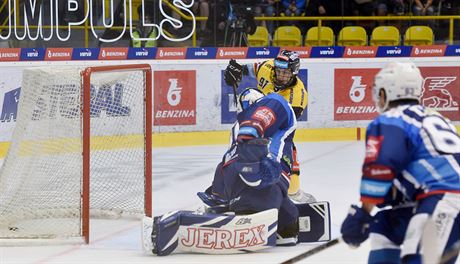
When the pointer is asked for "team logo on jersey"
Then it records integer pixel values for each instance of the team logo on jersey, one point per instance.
(265, 115)
(436, 95)
(373, 145)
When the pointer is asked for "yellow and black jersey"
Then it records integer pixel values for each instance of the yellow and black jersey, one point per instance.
(296, 94)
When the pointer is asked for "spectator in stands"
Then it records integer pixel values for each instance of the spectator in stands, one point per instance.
(294, 8)
(144, 30)
(364, 8)
(201, 8)
(330, 8)
(385, 7)
(425, 8)
(265, 8)
(216, 23)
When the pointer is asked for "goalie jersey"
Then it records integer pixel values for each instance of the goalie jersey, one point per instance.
(270, 117)
(414, 149)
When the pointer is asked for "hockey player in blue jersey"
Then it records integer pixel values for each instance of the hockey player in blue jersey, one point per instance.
(254, 173)
(251, 183)
(412, 164)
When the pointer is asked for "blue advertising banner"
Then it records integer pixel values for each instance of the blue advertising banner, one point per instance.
(142, 53)
(10, 105)
(85, 54)
(228, 108)
(327, 52)
(201, 53)
(263, 52)
(452, 50)
(394, 51)
(32, 54)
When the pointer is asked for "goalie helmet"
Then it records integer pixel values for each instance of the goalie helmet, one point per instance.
(399, 81)
(287, 65)
(248, 97)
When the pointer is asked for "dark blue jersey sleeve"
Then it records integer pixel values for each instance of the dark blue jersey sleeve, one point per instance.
(388, 150)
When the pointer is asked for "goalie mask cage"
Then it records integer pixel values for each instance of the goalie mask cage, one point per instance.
(82, 144)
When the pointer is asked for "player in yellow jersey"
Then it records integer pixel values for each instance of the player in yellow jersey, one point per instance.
(278, 75)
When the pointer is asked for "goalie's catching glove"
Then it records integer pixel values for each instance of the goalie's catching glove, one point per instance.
(355, 227)
(255, 166)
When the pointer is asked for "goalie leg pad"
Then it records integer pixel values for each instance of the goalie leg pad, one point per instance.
(314, 222)
(186, 231)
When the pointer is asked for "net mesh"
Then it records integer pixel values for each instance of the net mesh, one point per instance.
(41, 178)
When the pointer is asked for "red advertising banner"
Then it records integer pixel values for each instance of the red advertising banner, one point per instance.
(353, 94)
(10, 54)
(441, 90)
(231, 53)
(428, 51)
(171, 53)
(113, 53)
(304, 52)
(58, 54)
(174, 98)
(360, 52)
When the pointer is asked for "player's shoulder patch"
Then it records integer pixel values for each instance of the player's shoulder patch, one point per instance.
(265, 115)
(373, 145)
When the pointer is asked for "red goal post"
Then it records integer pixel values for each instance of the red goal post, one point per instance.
(81, 147)
(86, 83)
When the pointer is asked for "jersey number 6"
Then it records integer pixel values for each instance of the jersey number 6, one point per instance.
(443, 137)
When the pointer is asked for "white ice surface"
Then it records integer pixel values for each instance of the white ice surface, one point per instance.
(329, 170)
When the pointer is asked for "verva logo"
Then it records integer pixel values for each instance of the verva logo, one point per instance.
(440, 90)
(353, 94)
(175, 97)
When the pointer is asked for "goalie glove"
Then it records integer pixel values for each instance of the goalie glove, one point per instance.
(355, 227)
(234, 73)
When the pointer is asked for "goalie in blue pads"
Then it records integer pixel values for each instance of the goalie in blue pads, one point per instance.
(251, 181)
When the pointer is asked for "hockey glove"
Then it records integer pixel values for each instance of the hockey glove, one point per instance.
(259, 174)
(234, 73)
(252, 150)
(355, 227)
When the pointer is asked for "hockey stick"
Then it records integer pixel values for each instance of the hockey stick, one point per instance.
(313, 251)
(451, 253)
(235, 93)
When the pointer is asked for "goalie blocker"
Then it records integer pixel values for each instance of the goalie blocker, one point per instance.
(189, 231)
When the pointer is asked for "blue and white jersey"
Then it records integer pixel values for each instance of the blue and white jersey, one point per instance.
(270, 117)
(414, 149)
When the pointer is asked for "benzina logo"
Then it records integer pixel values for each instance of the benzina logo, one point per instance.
(175, 97)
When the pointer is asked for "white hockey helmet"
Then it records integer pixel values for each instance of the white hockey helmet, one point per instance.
(399, 81)
(247, 97)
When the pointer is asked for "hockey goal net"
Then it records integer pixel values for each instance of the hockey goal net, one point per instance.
(81, 147)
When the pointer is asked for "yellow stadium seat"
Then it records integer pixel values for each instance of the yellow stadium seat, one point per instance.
(323, 37)
(259, 38)
(385, 36)
(287, 36)
(418, 35)
(352, 36)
